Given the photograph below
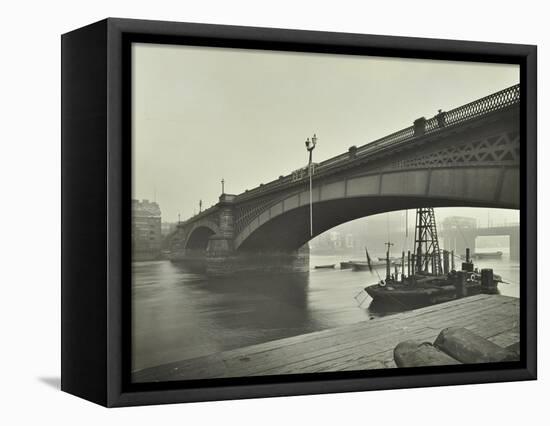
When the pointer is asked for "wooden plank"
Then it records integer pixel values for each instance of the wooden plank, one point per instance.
(364, 345)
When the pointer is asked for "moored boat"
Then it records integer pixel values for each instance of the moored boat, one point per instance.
(367, 265)
(426, 290)
(430, 280)
(488, 255)
(331, 266)
(485, 255)
(348, 264)
(364, 266)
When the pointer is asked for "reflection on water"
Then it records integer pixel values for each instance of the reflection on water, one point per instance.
(179, 314)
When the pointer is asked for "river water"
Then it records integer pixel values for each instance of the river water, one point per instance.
(179, 314)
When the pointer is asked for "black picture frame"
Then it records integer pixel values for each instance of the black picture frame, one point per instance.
(96, 211)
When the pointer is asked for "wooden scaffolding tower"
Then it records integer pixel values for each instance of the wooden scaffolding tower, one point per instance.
(426, 243)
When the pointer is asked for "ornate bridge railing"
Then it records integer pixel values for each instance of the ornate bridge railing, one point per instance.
(494, 102)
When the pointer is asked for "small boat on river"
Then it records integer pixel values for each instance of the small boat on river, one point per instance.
(349, 264)
(488, 255)
(364, 266)
(331, 266)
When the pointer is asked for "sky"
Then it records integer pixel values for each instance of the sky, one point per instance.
(201, 114)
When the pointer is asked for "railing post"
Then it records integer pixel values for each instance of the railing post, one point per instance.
(440, 117)
(420, 126)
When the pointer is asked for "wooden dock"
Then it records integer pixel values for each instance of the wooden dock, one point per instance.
(360, 346)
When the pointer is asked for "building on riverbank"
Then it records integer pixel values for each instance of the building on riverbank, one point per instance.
(146, 230)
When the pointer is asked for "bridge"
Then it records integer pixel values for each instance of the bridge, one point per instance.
(467, 156)
(460, 234)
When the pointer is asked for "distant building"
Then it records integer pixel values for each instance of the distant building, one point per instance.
(336, 239)
(459, 222)
(333, 241)
(146, 230)
(168, 227)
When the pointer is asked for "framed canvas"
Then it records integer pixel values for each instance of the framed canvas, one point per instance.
(254, 212)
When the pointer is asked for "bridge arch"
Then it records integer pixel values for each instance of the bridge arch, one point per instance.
(194, 237)
(283, 224)
(198, 238)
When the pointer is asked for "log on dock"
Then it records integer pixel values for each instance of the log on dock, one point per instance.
(470, 348)
(411, 353)
(454, 345)
(364, 345)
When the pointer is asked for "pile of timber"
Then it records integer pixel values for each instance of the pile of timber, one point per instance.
(454, 345)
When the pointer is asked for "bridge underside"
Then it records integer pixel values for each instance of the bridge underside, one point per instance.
(290, 231)
(198, 240)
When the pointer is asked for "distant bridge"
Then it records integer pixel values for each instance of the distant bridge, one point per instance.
(458, 239)
(468, 156)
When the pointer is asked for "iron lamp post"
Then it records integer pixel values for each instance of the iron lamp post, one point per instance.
(310, 146)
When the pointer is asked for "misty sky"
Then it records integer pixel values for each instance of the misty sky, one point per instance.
(201, 113)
